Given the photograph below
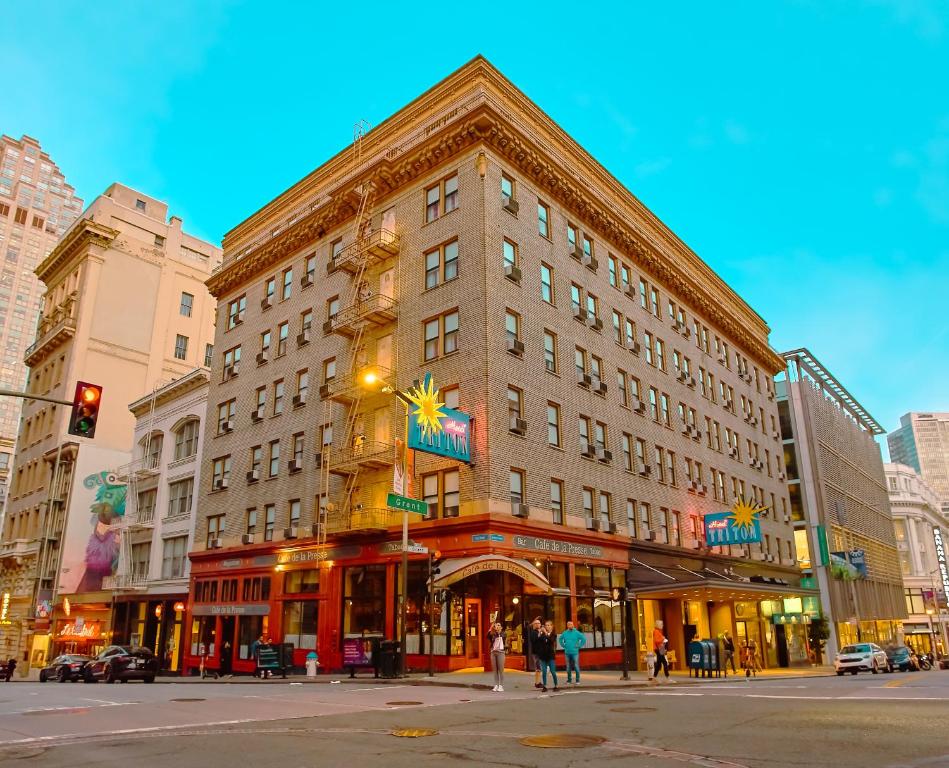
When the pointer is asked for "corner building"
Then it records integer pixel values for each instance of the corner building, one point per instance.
(617, 388)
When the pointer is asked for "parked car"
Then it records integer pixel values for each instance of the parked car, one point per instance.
(901, 658)
(122, 663)
(66, 667)
(868, 657)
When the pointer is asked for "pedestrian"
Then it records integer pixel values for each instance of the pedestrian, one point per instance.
(255, 654)
(496, 638)
(572, 640)
(226, 658)
(659, 643)
(728, 645)
(753, 646)
(547, 651)
(534, 638)
(748, 659)
(11, 668)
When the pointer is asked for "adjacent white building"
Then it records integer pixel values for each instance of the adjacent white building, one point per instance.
(151, 583)
(922, 537)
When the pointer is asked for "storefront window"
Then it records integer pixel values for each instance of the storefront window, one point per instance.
(203, 633)
(249, 628)
(364, 600)
(601, 578)
(298, 582)
(299, 623)
(557, 575)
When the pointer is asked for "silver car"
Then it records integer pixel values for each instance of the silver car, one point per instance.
(868, 657)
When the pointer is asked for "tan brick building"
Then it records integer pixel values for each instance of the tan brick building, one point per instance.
(618, 389)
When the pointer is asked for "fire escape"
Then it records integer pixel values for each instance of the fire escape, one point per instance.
(356, 465)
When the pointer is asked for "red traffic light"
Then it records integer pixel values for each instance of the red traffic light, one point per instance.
(85, 409)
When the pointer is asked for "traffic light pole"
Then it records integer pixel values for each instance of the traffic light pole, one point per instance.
(29, 396)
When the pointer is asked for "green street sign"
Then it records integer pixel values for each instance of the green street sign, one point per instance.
(394, 501)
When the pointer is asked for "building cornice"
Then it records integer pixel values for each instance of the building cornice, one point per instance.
(190, 382)
(477, 106)
(83, 233)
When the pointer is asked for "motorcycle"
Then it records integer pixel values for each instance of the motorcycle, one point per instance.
(925, 662)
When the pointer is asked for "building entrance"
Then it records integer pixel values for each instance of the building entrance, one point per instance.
(473, 631)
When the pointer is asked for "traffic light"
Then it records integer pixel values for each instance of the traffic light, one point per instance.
(85, 409)
(434, 563)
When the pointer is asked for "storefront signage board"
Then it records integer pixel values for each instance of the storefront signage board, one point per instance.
(482, 566)
(941, 561)
(434, 428)
(557, 547)
(317, 555)
(237, 609)
(740, 525)
(79, 629)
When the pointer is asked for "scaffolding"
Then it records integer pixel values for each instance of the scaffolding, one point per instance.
(370, 307)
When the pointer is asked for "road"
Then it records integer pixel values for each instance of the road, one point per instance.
(882, 721)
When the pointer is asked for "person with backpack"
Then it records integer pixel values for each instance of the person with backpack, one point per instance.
(572, 640)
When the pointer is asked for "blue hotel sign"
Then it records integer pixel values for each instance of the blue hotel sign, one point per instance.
(740, 525)
(433, 428)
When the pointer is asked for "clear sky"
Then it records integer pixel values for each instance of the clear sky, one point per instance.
(801, 148)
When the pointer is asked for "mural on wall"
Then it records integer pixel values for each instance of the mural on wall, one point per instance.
(93, 535)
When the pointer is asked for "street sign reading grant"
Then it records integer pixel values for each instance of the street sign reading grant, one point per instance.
(416, 506)
(433, 428)
(741, 525)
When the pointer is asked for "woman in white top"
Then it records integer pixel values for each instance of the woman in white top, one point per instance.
(496, 638)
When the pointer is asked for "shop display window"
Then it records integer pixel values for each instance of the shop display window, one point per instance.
(300, 582)
(299, 623)
(364, 600)
(249, 628)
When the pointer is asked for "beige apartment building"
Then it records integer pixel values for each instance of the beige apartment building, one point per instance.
(125, 307)
(839, 504)
(618, 390)
(36, 207)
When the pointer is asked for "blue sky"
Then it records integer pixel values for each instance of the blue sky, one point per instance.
(800, 148)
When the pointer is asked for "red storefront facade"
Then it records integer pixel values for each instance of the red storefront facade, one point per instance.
(493, 568)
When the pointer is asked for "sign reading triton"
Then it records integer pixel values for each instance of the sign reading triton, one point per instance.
(394, 501)
(741, 525)
(433, 428)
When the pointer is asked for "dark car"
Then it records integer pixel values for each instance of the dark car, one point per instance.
(123, 663)
(900, 658)
(66, 667)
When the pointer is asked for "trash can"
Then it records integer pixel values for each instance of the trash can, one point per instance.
(389, 659)
(312, 661)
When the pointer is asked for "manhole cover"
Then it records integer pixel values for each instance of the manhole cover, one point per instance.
(182, 700)
(403, 703)
(414, 733)
(562, 741)
(632, 710)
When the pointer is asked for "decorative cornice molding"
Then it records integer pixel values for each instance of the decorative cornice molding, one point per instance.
(477, 105)
(84, 233)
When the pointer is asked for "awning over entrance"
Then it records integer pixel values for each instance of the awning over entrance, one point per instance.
(706, 584)
(461, 568)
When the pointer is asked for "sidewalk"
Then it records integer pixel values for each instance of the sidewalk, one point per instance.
(514, 679)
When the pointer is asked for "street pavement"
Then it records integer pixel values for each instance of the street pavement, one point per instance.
(884, 721)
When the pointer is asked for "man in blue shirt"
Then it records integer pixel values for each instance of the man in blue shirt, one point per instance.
(572, 640)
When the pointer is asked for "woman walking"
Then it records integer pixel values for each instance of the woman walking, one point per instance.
(496, 638)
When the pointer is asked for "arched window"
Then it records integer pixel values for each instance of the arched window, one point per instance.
(186, 439)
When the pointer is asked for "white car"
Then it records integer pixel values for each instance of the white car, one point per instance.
(868, 657)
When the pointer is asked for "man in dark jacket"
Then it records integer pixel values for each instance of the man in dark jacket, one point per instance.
(547, 651)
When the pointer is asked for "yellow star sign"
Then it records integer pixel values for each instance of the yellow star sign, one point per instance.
(427, 406)
(744, 514)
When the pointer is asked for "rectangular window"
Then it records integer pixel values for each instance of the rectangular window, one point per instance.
(441, 198)
(512, 326)
(283, 333)
(654, 302)
(623, 389)
(293, 510)
(208, 355)
(556, 500)
(187, 304)
(617, 327)
(220, 472)
(303, 386)
(278, 397)
(631, 518)
(310, 267)
(180, 495)
(648, 346)
(553, 424)
(654, 403)
(627, 452)
(543, 220)
(329, 370)
(509, 252)
(671, 468)
(611, 261)
(605, 502)
(547, 283)
(226, 413)
(645, 518)
(298, 450)
(517, 486)
(270, 288)
(270, 521)
(584, 427)
(587, 496)
(274, 460)
(440, 335)
(515, 405)
(174, 554)
(664, 407)
(576, 298)
(507, 189)
(181, 347)
(550, 351)
(215, 530)
(660, 354)
(441, 264)
(287, 284)
(332, 308)
(235, 312)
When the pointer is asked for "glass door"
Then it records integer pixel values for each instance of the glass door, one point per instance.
(473, 631)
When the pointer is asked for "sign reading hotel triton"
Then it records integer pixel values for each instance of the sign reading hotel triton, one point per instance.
(741, 525)
(433, 428)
